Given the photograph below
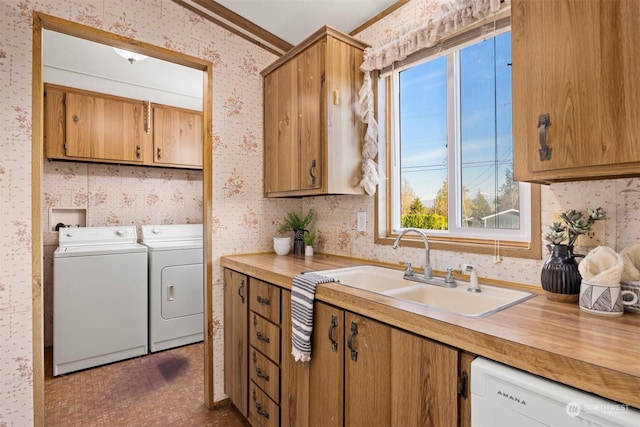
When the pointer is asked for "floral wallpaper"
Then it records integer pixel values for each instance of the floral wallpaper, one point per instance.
(243, 220)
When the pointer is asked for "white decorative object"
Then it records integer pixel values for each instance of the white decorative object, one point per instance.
(282, 245)
(308, 251)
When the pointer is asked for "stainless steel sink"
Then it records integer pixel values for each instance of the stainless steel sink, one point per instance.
(389, 282)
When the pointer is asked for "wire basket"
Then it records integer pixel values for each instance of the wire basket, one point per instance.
(635, 288)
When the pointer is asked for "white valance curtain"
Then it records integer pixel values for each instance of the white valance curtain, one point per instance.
(452, 16)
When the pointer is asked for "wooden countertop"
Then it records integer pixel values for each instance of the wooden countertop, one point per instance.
(555, 340)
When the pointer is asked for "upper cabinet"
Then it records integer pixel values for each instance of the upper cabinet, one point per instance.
(88, 126)
(177, 136)
(576, 95)
(312, 134)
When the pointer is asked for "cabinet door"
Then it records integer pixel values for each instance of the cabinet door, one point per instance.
(393, 377)
(281, 146)
(177, 136)
(326, 373)
(312, 116)
(105, 128)
(576, 62)
(236, 330)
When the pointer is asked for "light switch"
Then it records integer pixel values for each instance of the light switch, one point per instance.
(361, 221)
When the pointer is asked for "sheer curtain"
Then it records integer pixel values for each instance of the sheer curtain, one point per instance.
(452, 16)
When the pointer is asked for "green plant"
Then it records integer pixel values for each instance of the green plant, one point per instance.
(574, 225)
(294, 221)
(309, 238)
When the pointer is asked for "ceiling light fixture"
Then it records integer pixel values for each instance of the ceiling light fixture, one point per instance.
(130, 56)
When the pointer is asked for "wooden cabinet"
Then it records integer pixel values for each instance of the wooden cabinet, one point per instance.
(362, 372)
(92, 127)
(265, 351)
(82, 125)
(236, 329)
(377, 375)
(577, 62)
(177, 136)
(313, 137)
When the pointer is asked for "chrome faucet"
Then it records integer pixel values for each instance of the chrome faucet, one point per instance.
(428, 271)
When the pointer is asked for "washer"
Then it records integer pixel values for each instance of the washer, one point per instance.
(175, 284)
(99, 297)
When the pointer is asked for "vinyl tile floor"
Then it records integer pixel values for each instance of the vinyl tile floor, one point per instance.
(159, 389)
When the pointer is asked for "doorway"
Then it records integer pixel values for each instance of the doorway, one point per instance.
(41, 22)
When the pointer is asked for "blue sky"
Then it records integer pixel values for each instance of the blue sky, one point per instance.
(485, 107)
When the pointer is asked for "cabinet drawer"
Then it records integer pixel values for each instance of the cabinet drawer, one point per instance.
(265, 337)
(265, 300)
(265, 374)
(262, 410)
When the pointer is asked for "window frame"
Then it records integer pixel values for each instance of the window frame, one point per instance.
(492, 244)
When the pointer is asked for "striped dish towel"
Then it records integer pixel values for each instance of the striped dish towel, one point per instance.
(303, 290)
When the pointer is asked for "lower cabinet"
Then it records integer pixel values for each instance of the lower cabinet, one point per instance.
(366, 373)
(362, 372)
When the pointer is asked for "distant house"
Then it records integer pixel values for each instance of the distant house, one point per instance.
(505, 219)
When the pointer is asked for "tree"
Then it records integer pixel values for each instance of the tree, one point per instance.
(417, 207)
(441, 202)
(407, 195)
(481, 208)
(508, 195)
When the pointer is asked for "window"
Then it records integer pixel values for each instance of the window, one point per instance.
(450, 148)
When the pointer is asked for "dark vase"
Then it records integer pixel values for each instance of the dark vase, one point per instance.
(298, 243)
(560, 277)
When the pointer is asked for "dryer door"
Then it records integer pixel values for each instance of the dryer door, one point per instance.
(182, 290)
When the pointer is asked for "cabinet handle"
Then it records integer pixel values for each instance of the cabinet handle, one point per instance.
(354, 332)
(137, 151)
(462, 385)
(263, 301)
(311, 171)
(543, 123)
(263, 338)
(261, 411)
(158, 155)
(332, 328)
(75, 118)
(170, 296)
(262, 374)
(241, 291)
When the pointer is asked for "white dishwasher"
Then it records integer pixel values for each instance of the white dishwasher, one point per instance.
(505, 396)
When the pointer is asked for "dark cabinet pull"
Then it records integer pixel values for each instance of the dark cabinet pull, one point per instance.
(311, 170)
(159, 156)
(137, 151)
(241, 291)
(261, 411)
(544, 121)
(332, 328)
(263, 338)
(354, 332)
(75, 118)
(261, 374)
(263, 301)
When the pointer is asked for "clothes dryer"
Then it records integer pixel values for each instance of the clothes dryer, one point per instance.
(176, 288)
(99, 297)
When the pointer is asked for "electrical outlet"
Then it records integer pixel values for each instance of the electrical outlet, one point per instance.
(595, 236)
(361, 221)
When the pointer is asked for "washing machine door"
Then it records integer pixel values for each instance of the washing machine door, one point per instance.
(182, 291)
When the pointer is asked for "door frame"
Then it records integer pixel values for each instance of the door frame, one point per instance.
(43, 21)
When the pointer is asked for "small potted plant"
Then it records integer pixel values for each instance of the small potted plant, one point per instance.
(309, 239)
(560, 277)
(296, 223)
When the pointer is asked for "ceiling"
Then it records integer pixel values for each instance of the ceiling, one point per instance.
(278, 25)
